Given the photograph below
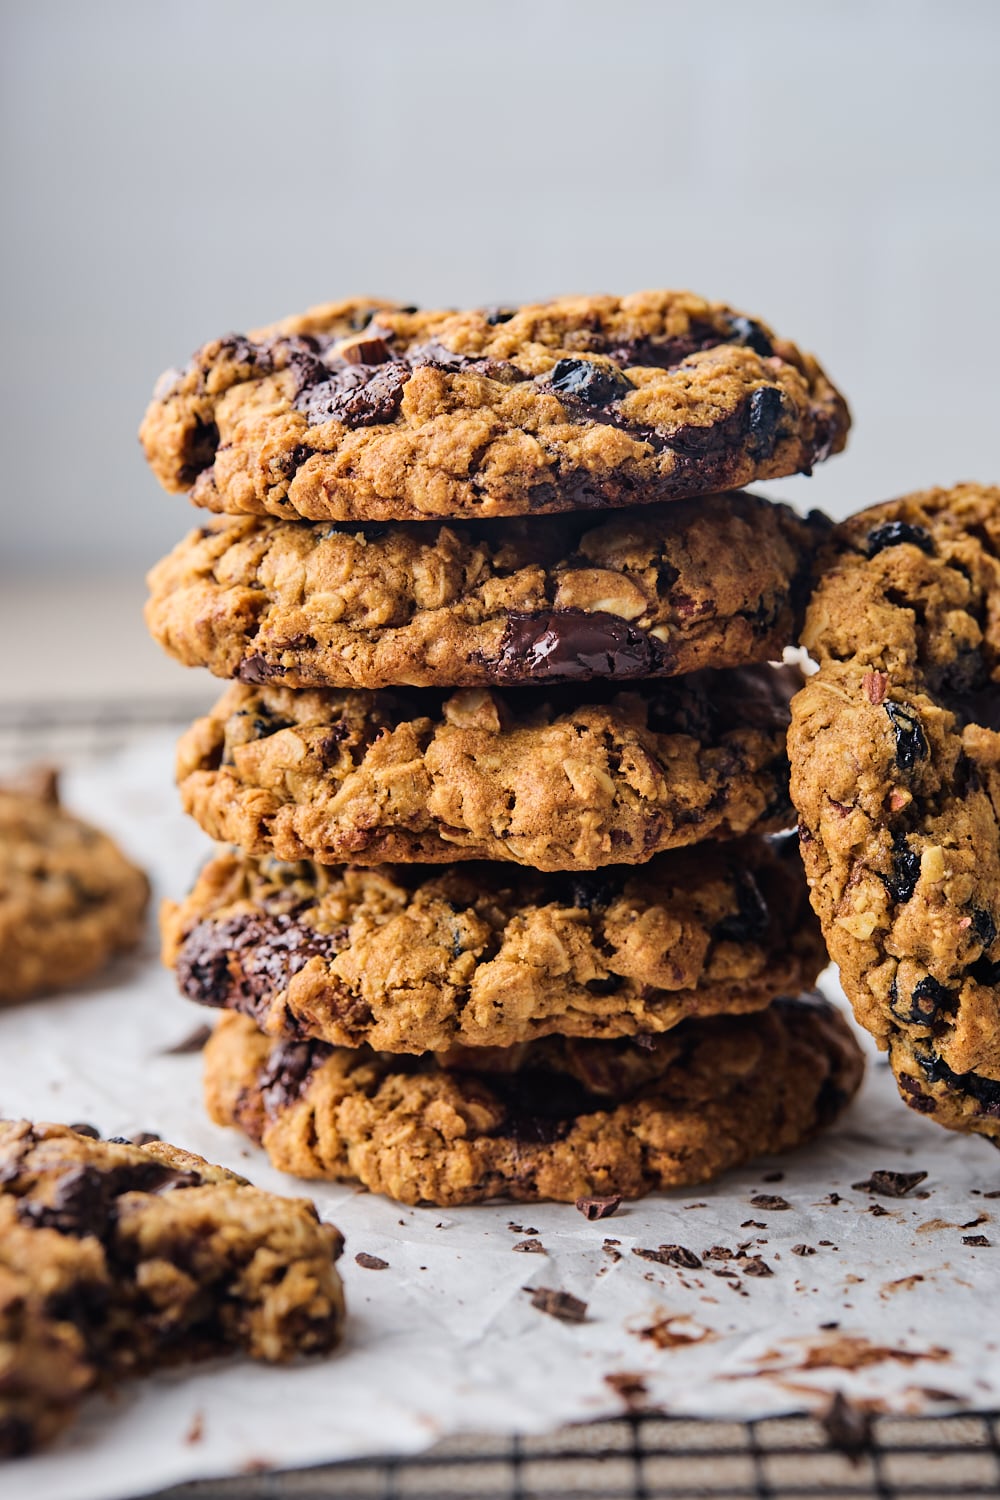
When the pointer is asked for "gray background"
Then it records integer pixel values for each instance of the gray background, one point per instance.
(175, 170)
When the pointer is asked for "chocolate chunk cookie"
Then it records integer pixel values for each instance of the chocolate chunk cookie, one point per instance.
(69, 898)
(361, 411)
(896, 775)
(115, 1259)
(416, 959)
(557, 1118)
(656, 591)
(542, 779)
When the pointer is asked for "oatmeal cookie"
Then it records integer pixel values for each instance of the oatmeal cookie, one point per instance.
(896, 776)
(416, 959)
(115, 1259)
(557, 1119)
(653, 592)
(69, 898)
(540, 778)
(363, 411)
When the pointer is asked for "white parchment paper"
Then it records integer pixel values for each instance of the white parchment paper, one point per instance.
(892, 1307)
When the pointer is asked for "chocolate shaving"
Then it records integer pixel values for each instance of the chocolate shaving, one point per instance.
(371, 1262)
(770, 1201)
(670, 1255)
(890, 1184)
(599, 1208)
(561, 1305)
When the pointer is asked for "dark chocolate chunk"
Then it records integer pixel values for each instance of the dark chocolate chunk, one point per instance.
(670, 1255)
(200, 447)
(888, 1184)
(911, 743)
(287, 1072)
(985, 1091)
(573, 645)
(749, 333)
(498, 314)
(357, 395)
(915, 1096)
(371, 1262)
(770, 1201)
(589, 382)
(895, 533)
(599, 1208)
(91, 1131)
(765, 411)
(561, 1305)
(979, 1240)
(370, 351)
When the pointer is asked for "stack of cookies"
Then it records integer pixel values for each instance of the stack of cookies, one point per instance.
(506, 908)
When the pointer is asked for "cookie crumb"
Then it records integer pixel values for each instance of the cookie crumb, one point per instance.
(371, 1262)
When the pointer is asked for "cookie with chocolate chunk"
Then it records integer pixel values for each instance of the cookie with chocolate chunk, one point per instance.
(69, 898)
(896, 776)
(410, 958)
(364, 411)
(553, 1119)
(115, 1259)
(544, 779)
(654, 592)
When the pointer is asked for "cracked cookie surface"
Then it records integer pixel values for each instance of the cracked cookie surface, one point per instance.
(418, 959)
(364, 411)
(538, 778)
(655, 591)
(69, 898)
(553, 1119)
(115, 1259)
(896, 776)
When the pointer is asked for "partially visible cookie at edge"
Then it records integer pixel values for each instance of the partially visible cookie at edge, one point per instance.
(895, 761)
(554, 1119)
(115, 1259)
(69, 898)
(363, 411)
(540, 778)
(409, 958)
(650, 592)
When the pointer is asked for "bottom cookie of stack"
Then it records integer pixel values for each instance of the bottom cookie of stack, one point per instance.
(556, 1118)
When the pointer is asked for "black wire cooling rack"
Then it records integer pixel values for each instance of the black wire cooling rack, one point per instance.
(641, 1457)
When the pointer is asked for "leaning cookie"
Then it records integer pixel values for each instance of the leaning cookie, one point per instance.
(415, 959)
(540, 778)
(116, 1259)
(363, 411)
(69, 898)
(654, 592)
(555, 1119)
(896, 777)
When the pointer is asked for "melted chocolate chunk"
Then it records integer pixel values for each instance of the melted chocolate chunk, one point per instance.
(287, 1073)
(589, 382)
(200, 446)
(749, 333)
(244, 962)
(357, 395)
(894, 534)
(572, 645)
(257, 669)
(765, 412)
(82, 1199)
(911, 742)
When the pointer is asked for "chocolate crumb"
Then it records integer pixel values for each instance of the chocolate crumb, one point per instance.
(371, 1262)
(631, 1388)
(196, 1431)
(803, 1249)
(718, 1252)
(599, 1208)
(828, 1243)
(670, 1255)
(773, 1177)
(530, 1247)
(847, 1427)
(752, 1224)
(833, 1198)
(994, 1193)
(91, 1131)
(890, 1184)
(561, 1305)
(770, 1201)
(978, 1240)
(755, 1265)
(193, 1042)
(144, 1138)
(829, 1325)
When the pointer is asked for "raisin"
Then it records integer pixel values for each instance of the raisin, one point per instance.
(927, 1000)
(985, 971)
(895, 533)
(751, 919)
(750, 335)
(911, 742)
(765, 408)
(905, 870)
(985, 1091)
(589, 382)
(984, 926)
